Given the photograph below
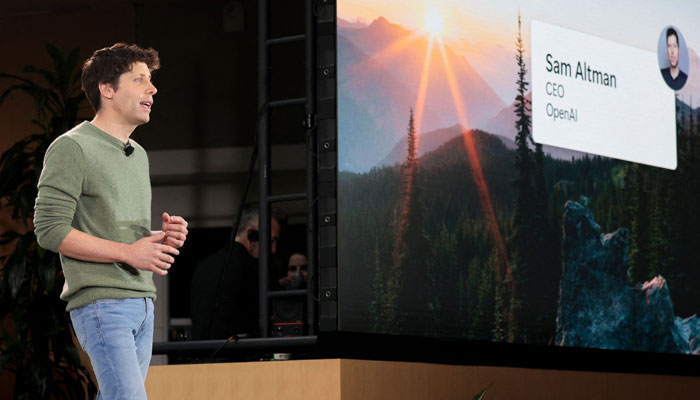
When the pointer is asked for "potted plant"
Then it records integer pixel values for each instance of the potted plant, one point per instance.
(36, 342)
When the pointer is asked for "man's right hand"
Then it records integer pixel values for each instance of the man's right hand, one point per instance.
(148, 254)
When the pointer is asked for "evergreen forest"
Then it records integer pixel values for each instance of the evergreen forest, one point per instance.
(465, 241)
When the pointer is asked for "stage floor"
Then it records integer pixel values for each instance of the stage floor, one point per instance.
(336, 379)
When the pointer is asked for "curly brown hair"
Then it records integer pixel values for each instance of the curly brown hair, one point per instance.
(108, 64)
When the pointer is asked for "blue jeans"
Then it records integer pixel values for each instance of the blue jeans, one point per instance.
(117, 335)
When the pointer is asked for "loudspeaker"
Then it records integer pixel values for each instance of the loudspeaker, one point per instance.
(327, 164)
(288, 317)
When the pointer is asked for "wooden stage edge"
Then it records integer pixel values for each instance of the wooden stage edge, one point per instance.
(343, 379)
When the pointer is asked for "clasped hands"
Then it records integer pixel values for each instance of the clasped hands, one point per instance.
(155, 253)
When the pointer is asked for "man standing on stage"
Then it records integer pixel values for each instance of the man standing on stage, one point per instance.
(224, 295)
(94, 209)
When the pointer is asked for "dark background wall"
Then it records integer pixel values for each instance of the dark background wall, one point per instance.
(208, 81)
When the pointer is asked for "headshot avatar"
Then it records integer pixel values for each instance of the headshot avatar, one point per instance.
(673, 58)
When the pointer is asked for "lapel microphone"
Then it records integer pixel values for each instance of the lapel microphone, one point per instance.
(128, 149)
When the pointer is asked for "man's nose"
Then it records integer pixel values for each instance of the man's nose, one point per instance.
(152, 89)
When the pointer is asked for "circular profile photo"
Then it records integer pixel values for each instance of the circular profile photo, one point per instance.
(673, 58)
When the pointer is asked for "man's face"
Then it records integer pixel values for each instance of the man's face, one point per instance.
(297, 266)
(133, 97)
(274, 237)
(672, 49)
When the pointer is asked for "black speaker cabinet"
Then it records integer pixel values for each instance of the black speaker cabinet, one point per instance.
(288, 316)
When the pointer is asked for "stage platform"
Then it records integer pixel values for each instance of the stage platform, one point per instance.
(344, 379)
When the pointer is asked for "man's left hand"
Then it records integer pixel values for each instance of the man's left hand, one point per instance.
(175, 229)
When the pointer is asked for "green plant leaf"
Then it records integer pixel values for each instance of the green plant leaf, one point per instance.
(39, 378)
(481, 395)
(40, 250)
(8, 168)
(4, 358)
(30, 69)
(56, 56)
(40, 351)
(39, 124)
(40, 99)
(72, 60)
(30, 89)
(8, 237)
(47, 273)
(76, 78)
(72, 353)
(52, 79)
(13, 162)
(15, 269)
(11, 89)
(16, 77)
(24, 200)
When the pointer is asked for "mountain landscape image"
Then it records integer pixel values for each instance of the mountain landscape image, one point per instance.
(379, 85)
(454, 223)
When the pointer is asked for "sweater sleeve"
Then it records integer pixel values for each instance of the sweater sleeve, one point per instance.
(60, 186)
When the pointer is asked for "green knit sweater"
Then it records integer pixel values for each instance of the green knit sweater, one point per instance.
(89, 184)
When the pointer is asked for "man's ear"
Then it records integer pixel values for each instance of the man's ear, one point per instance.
(252, 234)
(106, 90)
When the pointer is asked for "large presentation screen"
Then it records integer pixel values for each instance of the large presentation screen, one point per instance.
(524, 172)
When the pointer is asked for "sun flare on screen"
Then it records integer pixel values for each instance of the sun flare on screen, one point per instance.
(433, 23)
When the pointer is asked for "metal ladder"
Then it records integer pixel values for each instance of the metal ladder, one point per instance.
(265, 105)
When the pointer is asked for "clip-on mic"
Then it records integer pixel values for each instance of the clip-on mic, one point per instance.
(128, 149)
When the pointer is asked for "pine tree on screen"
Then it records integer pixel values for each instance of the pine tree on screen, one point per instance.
(408, 239)
(640, 250)
(376, 307)
(523, 241)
